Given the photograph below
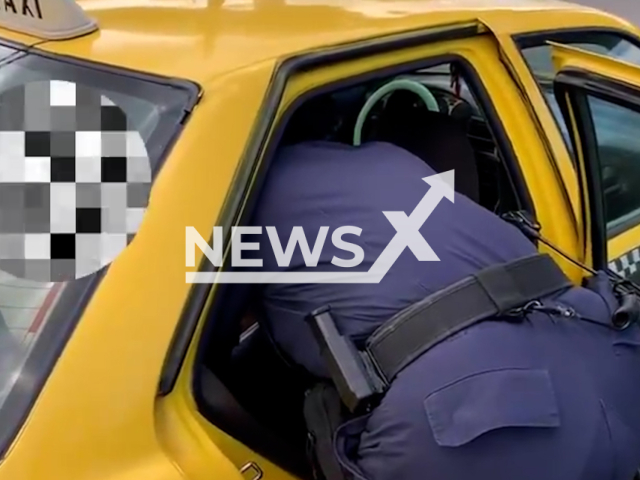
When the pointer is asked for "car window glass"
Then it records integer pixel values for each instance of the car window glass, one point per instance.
(618, 150)
(24, 309)
(25, 305)
(538, 57)
(36, 318)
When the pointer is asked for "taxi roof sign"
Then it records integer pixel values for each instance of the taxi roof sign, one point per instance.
(46, 19)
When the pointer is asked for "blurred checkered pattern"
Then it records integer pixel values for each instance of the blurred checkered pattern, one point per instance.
(74, 181)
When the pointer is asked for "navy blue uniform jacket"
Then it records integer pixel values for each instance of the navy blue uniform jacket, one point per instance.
(547, 399)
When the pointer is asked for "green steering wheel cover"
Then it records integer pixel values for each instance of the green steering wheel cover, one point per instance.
(399, 84)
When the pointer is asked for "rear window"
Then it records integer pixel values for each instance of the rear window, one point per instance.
(37, 318)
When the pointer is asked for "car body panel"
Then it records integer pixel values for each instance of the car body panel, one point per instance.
(546, 124)
(203, 40)
(138, 316)
(98, 416)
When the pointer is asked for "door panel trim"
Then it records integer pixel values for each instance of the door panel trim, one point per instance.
(577, 116)
(582, 74)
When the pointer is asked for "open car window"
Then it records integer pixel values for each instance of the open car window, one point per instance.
(537, 55)
(36, 318)
(614, 126)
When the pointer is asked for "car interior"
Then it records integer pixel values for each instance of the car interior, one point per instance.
(245, 385)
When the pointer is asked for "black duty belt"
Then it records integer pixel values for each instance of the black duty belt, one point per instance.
(500, 291)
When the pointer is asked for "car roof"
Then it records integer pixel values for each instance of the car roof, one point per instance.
(201, 39)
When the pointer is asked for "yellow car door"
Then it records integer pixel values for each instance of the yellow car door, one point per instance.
(599, 99)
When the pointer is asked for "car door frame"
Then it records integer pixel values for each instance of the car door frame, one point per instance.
(620, 241)
(278, 102)
(580, 74)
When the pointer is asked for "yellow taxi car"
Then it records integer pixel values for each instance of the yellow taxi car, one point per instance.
(133, 373)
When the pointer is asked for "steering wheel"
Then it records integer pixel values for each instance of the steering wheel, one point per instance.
(400, 84)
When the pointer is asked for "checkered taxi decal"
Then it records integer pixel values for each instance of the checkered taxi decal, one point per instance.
(628, 264)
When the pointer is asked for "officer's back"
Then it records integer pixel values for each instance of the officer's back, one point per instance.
(548, 398)
(319, 184)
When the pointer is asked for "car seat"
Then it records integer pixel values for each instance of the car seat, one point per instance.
(437, 138)
(313, 120)
(242, 386)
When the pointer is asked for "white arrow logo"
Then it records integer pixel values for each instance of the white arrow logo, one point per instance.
(407, 236)
(408, 228)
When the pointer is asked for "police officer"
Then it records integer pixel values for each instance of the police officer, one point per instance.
(549, 398)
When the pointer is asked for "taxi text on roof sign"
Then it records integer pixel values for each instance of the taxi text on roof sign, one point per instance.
(46, 19)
